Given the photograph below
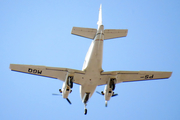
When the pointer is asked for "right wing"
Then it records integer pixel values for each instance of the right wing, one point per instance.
(130, 76)
(52, 72)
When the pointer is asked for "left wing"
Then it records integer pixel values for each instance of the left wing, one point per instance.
(52, 72)
(130, 76)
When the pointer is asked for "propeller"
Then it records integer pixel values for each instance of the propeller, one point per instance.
(61, 95)
(98, 92)
(68, 100)
(114, 95)
(56, 94)
(101, 93)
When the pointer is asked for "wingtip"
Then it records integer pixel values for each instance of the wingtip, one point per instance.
(11, 66)
(170, 73)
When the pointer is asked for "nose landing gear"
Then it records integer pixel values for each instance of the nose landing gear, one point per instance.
(85, 100)
(85, 110)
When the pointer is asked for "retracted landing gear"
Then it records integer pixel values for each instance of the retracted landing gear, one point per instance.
(112, 83)
(70, 81)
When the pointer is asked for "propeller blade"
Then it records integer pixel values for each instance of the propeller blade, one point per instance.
(56, 94)
(114, 95)
(99, 93)
(61, 95)
(68, 100)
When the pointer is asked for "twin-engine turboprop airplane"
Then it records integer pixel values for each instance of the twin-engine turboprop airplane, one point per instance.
(92, 74)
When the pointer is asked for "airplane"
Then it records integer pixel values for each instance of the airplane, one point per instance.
(92, 74)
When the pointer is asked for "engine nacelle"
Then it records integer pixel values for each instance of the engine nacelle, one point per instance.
(109, 88)
(67, 85)
(65, 90)
(107, 93)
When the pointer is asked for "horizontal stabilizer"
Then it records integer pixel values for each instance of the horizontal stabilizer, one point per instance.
(114, 33)
(84, 32)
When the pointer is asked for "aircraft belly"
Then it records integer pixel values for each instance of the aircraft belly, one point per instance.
(87, 89)
(95, 60)
(90, 82)
(92, 66)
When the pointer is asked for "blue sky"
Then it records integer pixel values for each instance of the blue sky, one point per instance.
(39, 33)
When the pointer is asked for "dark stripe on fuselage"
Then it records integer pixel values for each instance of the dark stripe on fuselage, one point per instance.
(99, 40)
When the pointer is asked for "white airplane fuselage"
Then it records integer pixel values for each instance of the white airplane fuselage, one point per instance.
(93, 64)
(92, 74)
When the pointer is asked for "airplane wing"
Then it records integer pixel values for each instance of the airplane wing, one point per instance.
(52, 72)
(130, 76)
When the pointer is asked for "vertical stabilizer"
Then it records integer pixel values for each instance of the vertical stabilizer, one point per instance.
(100, 16)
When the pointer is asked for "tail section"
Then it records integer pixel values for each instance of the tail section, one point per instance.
(115, 33)
(91, 32)
(99, 23)
(84, 32)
